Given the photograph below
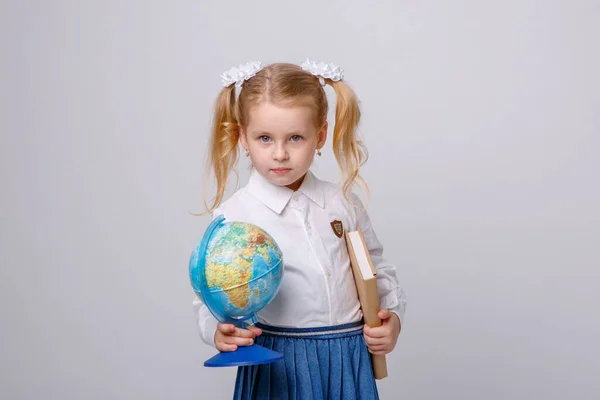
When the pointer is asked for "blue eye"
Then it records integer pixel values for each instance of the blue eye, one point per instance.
(296, 138)
(264, 139)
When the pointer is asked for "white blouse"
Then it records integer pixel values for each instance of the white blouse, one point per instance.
(317, 288)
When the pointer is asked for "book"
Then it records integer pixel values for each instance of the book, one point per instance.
(365, 278)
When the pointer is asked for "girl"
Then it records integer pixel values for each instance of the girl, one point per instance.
(279, 119)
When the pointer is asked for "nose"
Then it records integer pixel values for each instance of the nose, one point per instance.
(280, 152)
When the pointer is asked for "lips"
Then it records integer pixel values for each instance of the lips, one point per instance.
(281, 170)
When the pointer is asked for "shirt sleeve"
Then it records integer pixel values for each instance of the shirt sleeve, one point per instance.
(391, 295)
(207, 323)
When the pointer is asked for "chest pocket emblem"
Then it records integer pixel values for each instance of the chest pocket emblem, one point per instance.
(337, 227)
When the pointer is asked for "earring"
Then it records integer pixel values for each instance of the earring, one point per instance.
(319, 152)
(247, 153)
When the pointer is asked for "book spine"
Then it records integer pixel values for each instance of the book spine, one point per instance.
(371, 307)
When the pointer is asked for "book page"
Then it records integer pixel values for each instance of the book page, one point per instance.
(361, 255)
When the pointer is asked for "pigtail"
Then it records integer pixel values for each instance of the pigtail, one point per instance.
(223, 154)
(349, 151)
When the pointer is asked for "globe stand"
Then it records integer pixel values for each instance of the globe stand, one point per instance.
(244, 355)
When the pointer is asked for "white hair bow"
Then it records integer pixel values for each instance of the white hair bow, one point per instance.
(323, 70)
(241, 73)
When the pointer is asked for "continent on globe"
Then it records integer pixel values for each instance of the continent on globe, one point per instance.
(232, 256)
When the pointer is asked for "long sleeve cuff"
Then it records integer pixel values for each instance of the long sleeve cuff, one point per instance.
(208, 333)
(207, 323)
(395, 302)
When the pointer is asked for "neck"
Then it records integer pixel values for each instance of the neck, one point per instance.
(296, 185)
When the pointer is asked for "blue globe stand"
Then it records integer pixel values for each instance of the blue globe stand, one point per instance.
(244, 355)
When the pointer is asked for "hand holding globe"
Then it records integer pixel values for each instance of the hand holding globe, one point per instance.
(228, 337)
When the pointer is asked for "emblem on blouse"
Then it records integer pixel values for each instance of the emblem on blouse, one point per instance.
(337, 227)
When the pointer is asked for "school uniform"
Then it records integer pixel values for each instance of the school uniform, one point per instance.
(315, 318)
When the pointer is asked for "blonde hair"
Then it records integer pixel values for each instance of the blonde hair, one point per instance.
(285, 84)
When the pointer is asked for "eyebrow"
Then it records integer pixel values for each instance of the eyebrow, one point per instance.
(262, 133)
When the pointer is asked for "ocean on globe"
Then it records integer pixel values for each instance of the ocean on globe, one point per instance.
(236, 269)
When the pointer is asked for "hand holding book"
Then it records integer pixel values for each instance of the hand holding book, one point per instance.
(382, 339)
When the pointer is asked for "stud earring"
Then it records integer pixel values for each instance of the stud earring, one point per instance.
(319, 152)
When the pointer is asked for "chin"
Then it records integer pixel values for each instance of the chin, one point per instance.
(284, 180)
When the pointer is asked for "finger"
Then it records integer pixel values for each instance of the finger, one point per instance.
(379, 347)
(245, 333)
(378, 332)
(378, 352)
(227, 329)
(371, 341)
(370, 331)
(257, 331)
(367, 330)
(227, 339)
(239, 341)
(221, 346)
(383, 314)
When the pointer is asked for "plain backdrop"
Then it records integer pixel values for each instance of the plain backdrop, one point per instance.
(482, 120)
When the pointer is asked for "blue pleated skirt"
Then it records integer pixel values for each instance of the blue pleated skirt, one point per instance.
(319, 363)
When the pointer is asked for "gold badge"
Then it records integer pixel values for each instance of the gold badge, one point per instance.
(337, 227)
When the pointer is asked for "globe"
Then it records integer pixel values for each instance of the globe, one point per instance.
(236, 270)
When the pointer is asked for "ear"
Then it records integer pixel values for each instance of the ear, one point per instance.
(322, 137)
